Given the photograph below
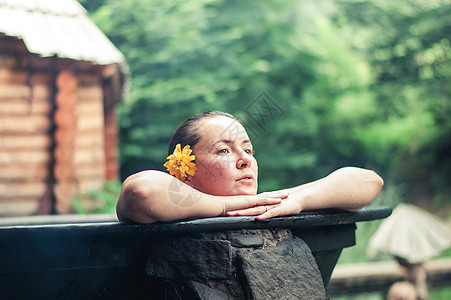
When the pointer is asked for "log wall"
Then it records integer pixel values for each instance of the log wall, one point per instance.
(80, 131)
(89, 143)
(24, 135)
(57, 142)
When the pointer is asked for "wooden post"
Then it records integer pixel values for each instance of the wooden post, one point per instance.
(111, 147)
(65, 121)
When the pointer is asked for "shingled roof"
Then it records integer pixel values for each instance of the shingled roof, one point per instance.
(57, 27)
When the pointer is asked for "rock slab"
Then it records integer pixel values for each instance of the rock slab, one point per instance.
(250, 264)
(286, 271)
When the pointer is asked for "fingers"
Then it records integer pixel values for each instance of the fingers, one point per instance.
(273, 211)
(270, 198)
(283, 209)
(253, 205)
(277, 194)
(257, 210)
(248, 211)
(269, 214)
(263, 201)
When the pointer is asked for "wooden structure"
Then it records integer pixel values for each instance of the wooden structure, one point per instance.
(379, 276)
(60, 79)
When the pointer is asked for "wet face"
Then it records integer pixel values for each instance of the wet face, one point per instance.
(224, 158)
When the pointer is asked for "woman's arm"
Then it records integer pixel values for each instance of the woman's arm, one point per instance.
(347, 188)
(151, 196)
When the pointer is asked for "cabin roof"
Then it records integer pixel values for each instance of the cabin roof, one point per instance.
(60, 28)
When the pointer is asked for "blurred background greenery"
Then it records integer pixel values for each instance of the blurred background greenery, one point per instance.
(362, 83)
(357, 82)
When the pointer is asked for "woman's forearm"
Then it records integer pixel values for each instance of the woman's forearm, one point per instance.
(151, 196)
(347, 188)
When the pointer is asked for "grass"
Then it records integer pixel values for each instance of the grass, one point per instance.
(440, 293)
(443, 293)
(98, 201)
(357, 253)
(362, 296)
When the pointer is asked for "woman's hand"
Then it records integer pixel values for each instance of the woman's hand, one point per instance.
(347, 188)
(268, 210)
(286, 207)
(252, 205)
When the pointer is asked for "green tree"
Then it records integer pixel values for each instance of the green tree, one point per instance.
(362, 83)
(407, 45)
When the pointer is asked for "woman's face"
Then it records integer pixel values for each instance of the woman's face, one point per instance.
(224, 158)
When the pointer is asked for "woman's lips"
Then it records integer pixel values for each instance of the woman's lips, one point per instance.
(246, 178)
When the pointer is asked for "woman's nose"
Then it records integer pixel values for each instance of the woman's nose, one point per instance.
(244, 160)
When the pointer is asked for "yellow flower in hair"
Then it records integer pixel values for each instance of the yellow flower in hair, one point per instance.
(180, 162)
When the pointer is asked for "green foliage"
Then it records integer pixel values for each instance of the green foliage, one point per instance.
(407, 45)
(363, 83)
(100, 201)
(441, 293)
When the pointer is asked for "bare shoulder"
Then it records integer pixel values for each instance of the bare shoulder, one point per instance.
(146, 175)
(136, 192)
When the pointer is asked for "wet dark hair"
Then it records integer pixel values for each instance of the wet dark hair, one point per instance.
(187, 132)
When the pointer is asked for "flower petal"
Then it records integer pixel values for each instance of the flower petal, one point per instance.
(180, 162)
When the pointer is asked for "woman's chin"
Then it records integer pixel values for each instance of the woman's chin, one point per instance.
(248, 192)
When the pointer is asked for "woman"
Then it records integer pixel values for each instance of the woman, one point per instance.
(219, 178)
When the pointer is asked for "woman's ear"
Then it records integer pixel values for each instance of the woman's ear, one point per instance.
(188, 181)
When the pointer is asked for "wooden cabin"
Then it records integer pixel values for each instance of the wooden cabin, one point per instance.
(60, 80)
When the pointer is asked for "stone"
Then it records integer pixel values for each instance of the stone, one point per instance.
(286, 271)
(191, 258)
(246, 240)
(204, 292)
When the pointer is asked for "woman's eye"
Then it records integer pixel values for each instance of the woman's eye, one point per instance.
(249, 151)
(223, 151)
